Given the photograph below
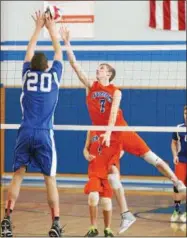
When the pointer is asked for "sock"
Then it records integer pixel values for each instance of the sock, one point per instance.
(56, 218)
(177, 205)
(8, 213)
(124, 214)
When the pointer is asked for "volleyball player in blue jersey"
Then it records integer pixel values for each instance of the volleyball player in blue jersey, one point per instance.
(179, 151)
(35, 141)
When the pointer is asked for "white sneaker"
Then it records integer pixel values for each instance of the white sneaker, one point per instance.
(183, 217)
(175, 226)
(180, 187)
(175, 216)
(183, 227)
(127, 220)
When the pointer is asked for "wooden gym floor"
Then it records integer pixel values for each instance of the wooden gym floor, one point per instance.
(31, 216)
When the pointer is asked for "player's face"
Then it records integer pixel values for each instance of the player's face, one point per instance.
(185, 115)
(102, 72)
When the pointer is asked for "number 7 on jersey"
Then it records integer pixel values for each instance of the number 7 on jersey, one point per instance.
(102, 105)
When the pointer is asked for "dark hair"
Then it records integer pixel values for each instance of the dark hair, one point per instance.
(111, 70)
(39, 62)
(185, 107)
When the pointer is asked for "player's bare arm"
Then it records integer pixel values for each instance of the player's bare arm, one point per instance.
(83, 77)
(50, 25)
(174, 149)
(39, 20)
(113, 116)
(122, 153)
(86, 153)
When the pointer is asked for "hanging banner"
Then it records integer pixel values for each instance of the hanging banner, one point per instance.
(78, 16)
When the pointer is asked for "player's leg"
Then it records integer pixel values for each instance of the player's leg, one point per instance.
(13, 193)
(114, 180)
(127, 218)
(164, 169)
(92, 188)
(21, 160)
(106, 203)
(134, 144)
(53, 202)
(181, 173)
(46, 160)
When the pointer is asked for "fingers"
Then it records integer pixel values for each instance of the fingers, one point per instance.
(108, 143)
(33, 18)
(91, 157)
(64, 29)
(104, 138)
(64, 33)
(38, 15)
(43, 15)
(176, 161)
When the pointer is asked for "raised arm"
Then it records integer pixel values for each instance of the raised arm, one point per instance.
(113, 116)
(72, 59)
(115, 107)
(39, 23)
(50, 25)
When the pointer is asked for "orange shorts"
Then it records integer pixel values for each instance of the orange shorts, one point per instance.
(133, 143)
(99, 185)
(105, 157)
(101, 165)
(181, 172)
(115, 160)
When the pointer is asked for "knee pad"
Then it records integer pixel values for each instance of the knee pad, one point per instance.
(93, 199)
(114, 181)
(152, 158)
(106, 204)
(175, 190)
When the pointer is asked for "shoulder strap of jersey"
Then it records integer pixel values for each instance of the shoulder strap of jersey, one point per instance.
(95, 83)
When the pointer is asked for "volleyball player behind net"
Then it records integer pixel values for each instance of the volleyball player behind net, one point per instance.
(103, 101)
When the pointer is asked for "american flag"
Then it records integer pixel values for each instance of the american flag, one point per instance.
(168, 15)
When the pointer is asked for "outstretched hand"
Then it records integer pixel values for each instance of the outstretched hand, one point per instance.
(49, 22)
(106, 138)
(39, 19)
(65, 34)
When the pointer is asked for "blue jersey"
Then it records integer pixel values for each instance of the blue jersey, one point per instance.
(40, 95)
(181, 138)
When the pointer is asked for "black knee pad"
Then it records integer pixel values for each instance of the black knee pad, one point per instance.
(175, 190)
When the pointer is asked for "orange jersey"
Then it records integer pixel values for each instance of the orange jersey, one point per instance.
(104, 156)
(99, 103)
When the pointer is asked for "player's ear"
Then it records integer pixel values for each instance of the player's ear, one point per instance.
(109, 74)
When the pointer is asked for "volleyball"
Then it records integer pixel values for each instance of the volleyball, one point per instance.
(54, 12)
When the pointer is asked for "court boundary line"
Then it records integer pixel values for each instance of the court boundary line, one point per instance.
(79, 182)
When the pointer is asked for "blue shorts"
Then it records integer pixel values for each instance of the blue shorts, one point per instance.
(35, 147)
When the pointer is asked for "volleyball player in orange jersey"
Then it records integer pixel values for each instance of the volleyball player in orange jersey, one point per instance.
(103, 101)
(100, 159)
